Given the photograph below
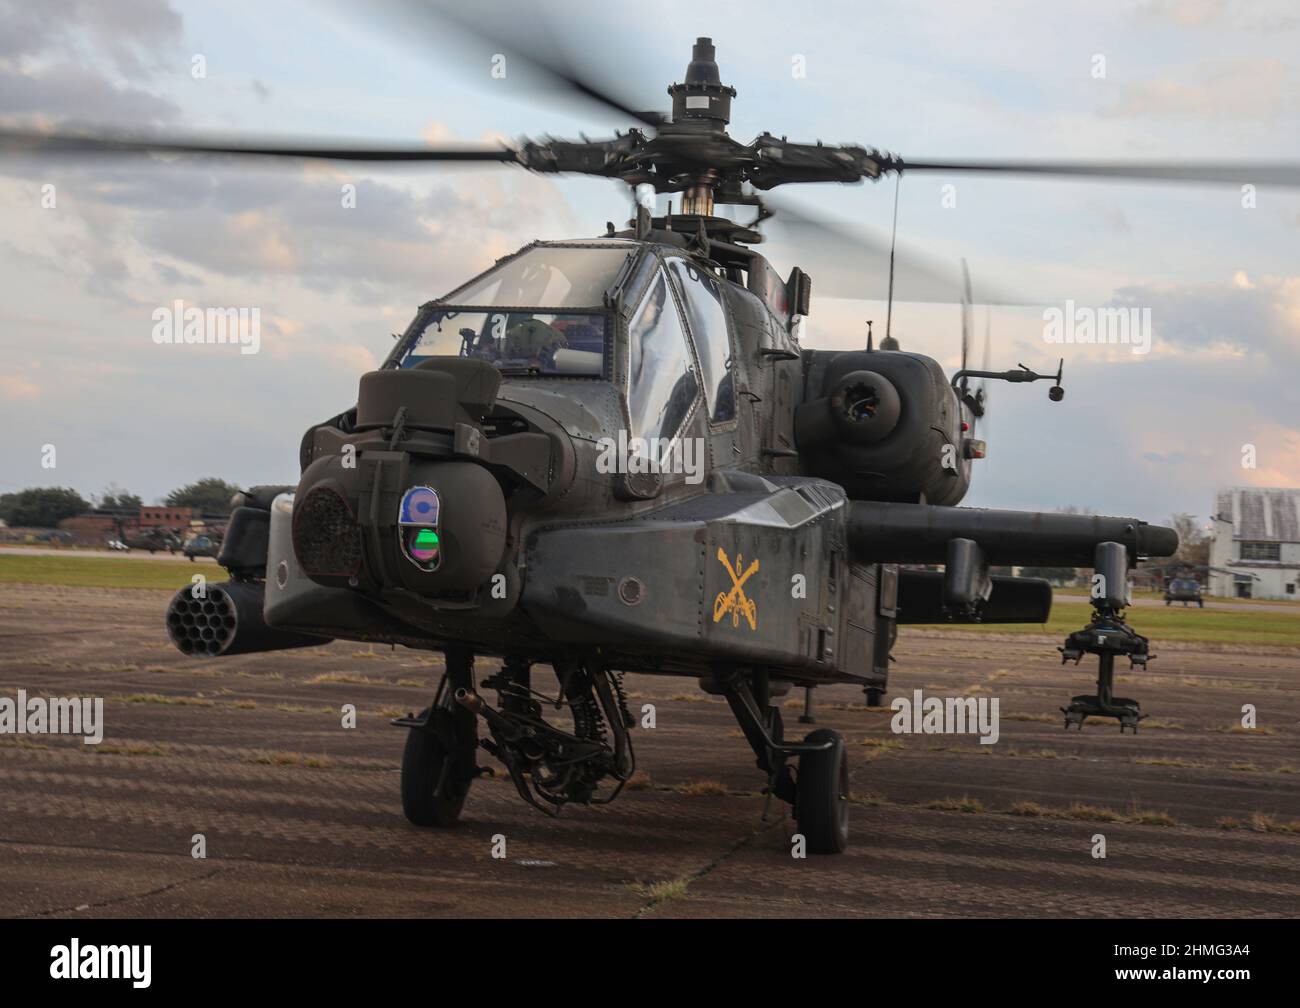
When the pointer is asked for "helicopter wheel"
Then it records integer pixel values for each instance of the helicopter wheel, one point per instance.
(874, 696)
(821, 806)
(432, 794)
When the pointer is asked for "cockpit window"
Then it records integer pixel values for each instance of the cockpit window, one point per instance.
(547, 276)
(661, 376)
(543, 342)
(707, 320)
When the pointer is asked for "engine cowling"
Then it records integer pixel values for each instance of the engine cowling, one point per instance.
(885, 425)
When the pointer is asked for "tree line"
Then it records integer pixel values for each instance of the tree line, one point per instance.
(45, 507)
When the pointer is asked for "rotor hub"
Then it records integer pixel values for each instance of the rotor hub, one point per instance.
(702, 97)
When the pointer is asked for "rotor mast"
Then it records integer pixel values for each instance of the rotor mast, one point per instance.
(701, 103)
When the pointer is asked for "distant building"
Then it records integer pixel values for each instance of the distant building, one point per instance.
(166, 516)
(98, 526)
(1255, 549)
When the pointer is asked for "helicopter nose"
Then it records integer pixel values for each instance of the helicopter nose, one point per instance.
(430, 527)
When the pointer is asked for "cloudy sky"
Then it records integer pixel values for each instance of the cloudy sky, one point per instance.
(1145, 435)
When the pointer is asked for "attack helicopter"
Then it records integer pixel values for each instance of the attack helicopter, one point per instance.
(612, 454)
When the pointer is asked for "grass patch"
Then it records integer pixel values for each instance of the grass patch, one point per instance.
(352, 679)
(1149, 817)
(1165, 761)
(134, 749)
(1091, 813)
(22, 743)
(158, 698)
(291, 759)
(1029, 808)
(697, 789)
(963, 804)
(1279, 628)
(661, 892)
(1263, 822)
(102, 572)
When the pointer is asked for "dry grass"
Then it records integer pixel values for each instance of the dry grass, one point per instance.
(1091, 813)
(1027, 753)
(158, 698)
(291, 759)
(1029, 808)
(132, 749)
(698, 789)
(661, 892)
(21, 743)
(963, 804)
(1149, 817)
(1263, 822)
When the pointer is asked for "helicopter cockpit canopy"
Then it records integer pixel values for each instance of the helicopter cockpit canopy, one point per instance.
(543, 312)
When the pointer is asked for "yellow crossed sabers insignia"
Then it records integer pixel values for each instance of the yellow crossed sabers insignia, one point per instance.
(736, 601)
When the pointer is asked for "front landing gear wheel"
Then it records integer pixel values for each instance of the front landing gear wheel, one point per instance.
(432, 793)
(821, 805)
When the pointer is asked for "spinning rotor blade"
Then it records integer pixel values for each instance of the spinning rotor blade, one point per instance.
(853, 262)
(30, 141)
(1281, 173)
(982, 393)
(965, 313)
(525, 37)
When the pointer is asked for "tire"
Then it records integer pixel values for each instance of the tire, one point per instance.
(874, 696)
(821, 806)
(422, 765)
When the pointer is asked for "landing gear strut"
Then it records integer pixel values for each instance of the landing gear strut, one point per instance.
(808, 717)
(438, 764)
(820, 790)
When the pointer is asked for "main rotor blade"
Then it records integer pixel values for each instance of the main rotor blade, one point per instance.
(853, 262)
(525, 36)
(1281, 173)
(965, 313)
(30, 141)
